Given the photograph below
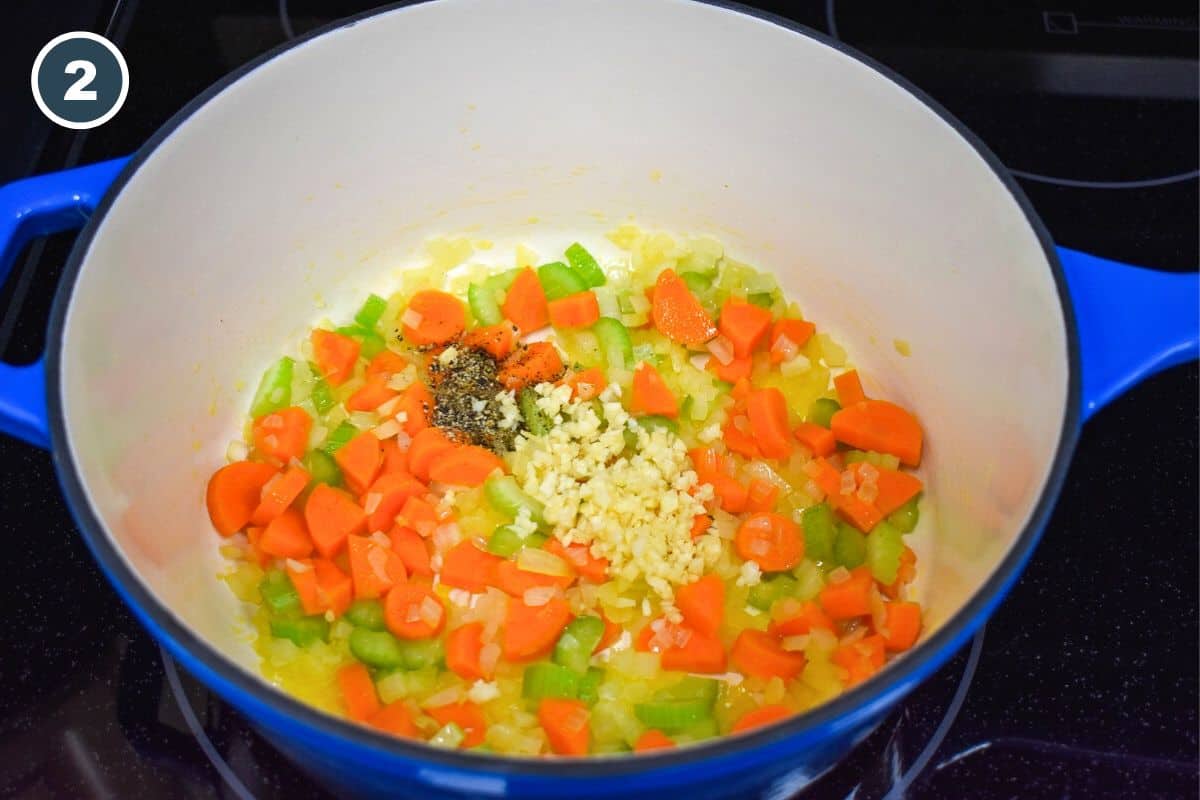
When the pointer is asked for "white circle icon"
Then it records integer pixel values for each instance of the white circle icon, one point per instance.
(79, 80)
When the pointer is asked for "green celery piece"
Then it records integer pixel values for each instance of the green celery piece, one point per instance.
(535, 420)
(624, 303)
(654, 422)
(615, 342)
(762, 299)
(275, 389)
(589, 685)
(559, 281)
(574, 647)
(822, 411)
(485, 308)
(672, 716)
(764, 593)
(278, 593)
(850, 547)
(704, 729)
(691, 688)
(501, 281)
(322, 396)
(448, 736)
(884, 546)
(506, 542)
(322, 468)
(376, 648)
(370, 312)
(820, 532)
(544, 680)
(507, 497)
(585, 265)
(422, 653)
(340, 436)
(905, 517)
(370, 343)
(631, 438)
(302, 631)
(697, 283)
(366, 614)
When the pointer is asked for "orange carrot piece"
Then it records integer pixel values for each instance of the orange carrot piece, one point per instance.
(358, 691)
(904, 575)
(495, 340)
(860, 659)
(286, 536)
(332, 515)
(413, 611)
(462, 652)
(335, 355)
(467, 716)
(817, 439)
(767, 410)
(371, 395)
(849, 599)
(652, 739)
(849, 388)
(525, 303)
(702, 604)
(304, 581)
(335, 589)
(857, 512)
(700, 525)
(531, 631)
(417, 406)
(797, 331)
(761, 495)
(760, 717)
(762, 655)
(465, 566)
(808, 616)
(700, 654)
(744, 325)
(279, 493)
(895, 488)
(651, 395)
(580, 558)
(588, 384)
(412, 550)
(566, 725)
(771, 540)
(534, 363)
(465, 465)
(902, 625)
(394, 459)
(426, 446)
(580, 310)
(612, 632)
(740, 441)
(433, 317)
(374, 568)
(386, 362)
(880, 426)
(360, 459)
(283, 434)
(390, 492)
(233, 492)
(514, 581)
(419, 514)
(396, 719)
(734, 371)
(253, 536)
(677, 314)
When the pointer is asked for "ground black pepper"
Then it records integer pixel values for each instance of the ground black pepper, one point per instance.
(464, 393)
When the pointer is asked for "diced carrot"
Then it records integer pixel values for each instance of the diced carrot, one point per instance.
(396, 719)
(286, 536)
(233, 492)
(579, 310)
(860, 659)
(525, 303)
(880, 426)
(304, 581)
(767, 410)
(358, 691)
(651, 395)
(462, 652)
(394, 459)
(706, 460)
(531, 631)
(495, 340)
(335, 355)
(419, 514)
(762, 655)
(677, 314)
(389, 493)
(761, 495)
(857, 512)
(702, 604)
(895, 487)
(734, 371)
(465, 566)
(386, 362)
(797, 331)
(902, 625)
(741, 392)
(806, 617)
(427, 445)
(817, 439)
(416, 405)
(652, 740)
(535, 363)
(374, 568)
(581, 559)
(700, 525)
(467, 716)
(464, 465)
(700, 654)
(279, 493)
(253, 536)
(414, 611)
(771, 540)
(731, 493)
(588, 384)
(849, 599)
(849, 388)
(760, 717)
(433, 317)
(360, 459)
(740, 441)
(371, 395)
(332, 515)
(512, 580)
(335, 589)
(566, 725)
(612, 632)
(283, 434)
(744, 325)
(904, 575)
(412, 550)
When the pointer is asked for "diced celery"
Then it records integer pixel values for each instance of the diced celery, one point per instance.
(589, 685)
(279, 594)
(697, 283)
(672, 716)
(809, 580)
(321, 395)
(397, 684)
(422, 653)
(691, 688)
(485, 308)
(822, 411)
(585, 265)
(506, 542)
(762, 299)
(507, 497)
(275, 388)
(905, 517)
(500, 282)
(302, 631)
(366, 614)
(820, 532)
(574, 647)
(884, 546)
(850, 547)
(370, 312)
(376, 648)
(448, 736)
(543, 680)
(764, 593)
(615, 342)
(559, 281)
(371, 343)
(537, 422)
(322, 468)
(340, 436)
(704, 729)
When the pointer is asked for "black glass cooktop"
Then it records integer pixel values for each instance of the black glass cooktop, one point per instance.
(1084, 684)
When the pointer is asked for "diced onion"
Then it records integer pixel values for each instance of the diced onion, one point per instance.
(451, 694)
(403, 441)
(413, 614)
(681, 636)
(813, 491)
(237, 451)
(269, 485)
(411, 318)
(388, 407)
(868, 492)
(460, 597)
(387, 430)
(430, 612)
(784, 347)
(377, 560)
(795, 643)
(489, 656)
(763, 471)
(297, 566)
(721, 349)
(532, 559)
(762, 524)
(371, 502)
(839, 575)
(445, 536)
(868, 471)
(759, 547)
(380, 538)
(795, 365)
(539, 595)
(848, 485)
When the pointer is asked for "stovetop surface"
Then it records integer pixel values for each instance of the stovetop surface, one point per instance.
(1084, 683)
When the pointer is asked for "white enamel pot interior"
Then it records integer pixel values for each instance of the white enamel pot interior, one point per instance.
(315, 177)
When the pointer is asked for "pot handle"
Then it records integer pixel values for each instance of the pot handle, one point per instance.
(1132, 322)
(38, 206)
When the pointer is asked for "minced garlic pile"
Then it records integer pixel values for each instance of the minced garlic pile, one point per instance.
(635, 509)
